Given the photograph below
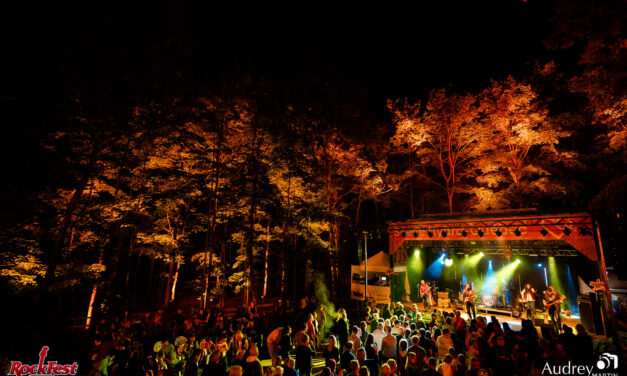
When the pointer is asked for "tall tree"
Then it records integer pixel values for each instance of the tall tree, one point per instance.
(521, 146)
(444, 135)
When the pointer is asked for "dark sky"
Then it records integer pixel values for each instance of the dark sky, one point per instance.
(392, 49)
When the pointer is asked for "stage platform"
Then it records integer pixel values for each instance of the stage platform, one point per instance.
(504, 315)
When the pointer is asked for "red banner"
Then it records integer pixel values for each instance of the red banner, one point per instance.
(574, 229)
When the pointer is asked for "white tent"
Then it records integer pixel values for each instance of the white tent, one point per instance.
(379, 270)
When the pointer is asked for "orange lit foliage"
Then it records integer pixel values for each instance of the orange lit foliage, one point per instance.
(521, 144)
(446, 135)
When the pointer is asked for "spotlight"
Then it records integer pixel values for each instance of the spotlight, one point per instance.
(583, 231)
(544, 232)
(481, 254)
(539, 265)
(415, 234)
(464, 233)
(517, 232)
(498, 233)
(517, 261)
(403, 234)
(430, 234)
(444, 234)
(448, 262)
(480, 233)
(417, 253)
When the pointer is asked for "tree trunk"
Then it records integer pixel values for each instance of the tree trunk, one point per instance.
(94, 291)
(168, 287)
(130, 262)
(265, 268)
(176, 278)
(65, 224)
(450, 201)
(151, 275)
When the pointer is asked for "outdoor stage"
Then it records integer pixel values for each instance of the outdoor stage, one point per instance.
(497, 253)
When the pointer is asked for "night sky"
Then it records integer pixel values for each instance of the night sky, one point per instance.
(394, 49)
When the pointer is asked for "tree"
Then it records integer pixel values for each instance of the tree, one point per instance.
(444, 135)
(521, 146)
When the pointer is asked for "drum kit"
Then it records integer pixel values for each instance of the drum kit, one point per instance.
(497, 298)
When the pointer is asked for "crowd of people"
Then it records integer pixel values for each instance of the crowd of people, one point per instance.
(392, 340)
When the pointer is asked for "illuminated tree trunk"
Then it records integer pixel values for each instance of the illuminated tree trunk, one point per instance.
(265, 268)
(94, 291)
(176, 278)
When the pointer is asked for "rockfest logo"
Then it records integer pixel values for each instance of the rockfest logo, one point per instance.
(607, 365)
(41, 368)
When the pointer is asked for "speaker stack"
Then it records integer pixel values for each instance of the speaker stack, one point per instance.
(591, 312)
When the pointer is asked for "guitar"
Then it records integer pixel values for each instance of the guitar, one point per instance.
(556, 302)
(426, 291)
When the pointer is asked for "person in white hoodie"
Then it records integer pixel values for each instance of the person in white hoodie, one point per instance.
(378, 335)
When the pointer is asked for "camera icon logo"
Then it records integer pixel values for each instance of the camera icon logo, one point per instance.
(607, 361)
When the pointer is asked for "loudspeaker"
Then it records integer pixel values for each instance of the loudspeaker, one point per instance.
(591, 311)
(598, 311)
(585, 312)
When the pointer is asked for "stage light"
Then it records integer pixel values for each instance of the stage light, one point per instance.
(566, 231)
(517, 232)
(480, 233)
(539, 265)
(415, 234)
(554, 274)
(473, 260)
(498, 233)
(544, 232)
(403, 234)
(507, 271)
(464, 233)
(583, 231)
(444, 234)
(481, 254)
(429, 234)
(417, 253)
(448, 262)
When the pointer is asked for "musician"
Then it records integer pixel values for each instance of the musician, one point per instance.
(553, 302)
(529, 300)
(469, 298)
(425, 294)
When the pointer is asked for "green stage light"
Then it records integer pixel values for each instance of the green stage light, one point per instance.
(473, 260)
(448, 262)
(507, 272)
(554, 276)
(417, 253)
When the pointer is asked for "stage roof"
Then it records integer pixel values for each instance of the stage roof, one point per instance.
(522, 231)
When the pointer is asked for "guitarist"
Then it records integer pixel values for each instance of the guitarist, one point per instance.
(469, 299)
(553, 301)
(425, 295)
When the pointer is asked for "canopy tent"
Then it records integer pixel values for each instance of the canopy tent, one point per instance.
(379, 263)
(380, 274)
